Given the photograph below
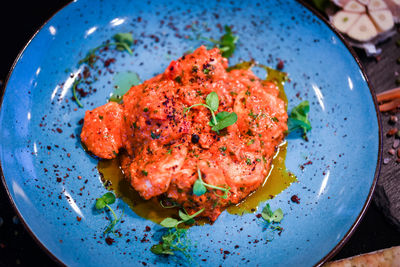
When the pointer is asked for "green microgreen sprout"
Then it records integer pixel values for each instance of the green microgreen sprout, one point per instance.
(74, 85)
(175, 239)
(185, 218)
(227, 42)
(200, 187)
(104, 201)
(298, 119)
(272, 217)
(220, 120)
(122, 41)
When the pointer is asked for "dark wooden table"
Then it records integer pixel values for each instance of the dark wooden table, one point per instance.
(20, 20)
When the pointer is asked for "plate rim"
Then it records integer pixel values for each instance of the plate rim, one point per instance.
(316, 13)
(360, 216)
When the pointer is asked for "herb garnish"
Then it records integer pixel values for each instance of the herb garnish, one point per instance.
(227, 42)
(129, 79)
(220, 120)
(175, 238)
(74, 85)
(122, 41)
(185, 218)
(199, 187)
(104, 201)
(272, 217)
(298, 119)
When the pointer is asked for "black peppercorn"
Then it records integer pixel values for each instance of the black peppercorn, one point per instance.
(195, 138)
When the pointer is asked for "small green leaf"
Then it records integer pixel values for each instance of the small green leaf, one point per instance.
(298, 118)
(109, 198)
(212, 101)
(227, 43)
(100, 204)
(225, 122)
(124, 82)
(199, 188)
(159, 249)
(125, 38)
(220, 116)
(270, 216)
(277, 216)
(267, 213)
(169, 222)
(184, 216)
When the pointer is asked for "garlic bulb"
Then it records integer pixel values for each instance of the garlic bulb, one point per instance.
(363, 20)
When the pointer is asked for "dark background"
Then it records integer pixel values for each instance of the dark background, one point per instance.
(21, 19)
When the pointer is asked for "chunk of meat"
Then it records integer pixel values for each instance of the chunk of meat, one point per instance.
(161, 158)
(102, 130)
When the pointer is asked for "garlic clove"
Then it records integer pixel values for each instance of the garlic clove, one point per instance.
(383, 19)
(354, 6)
(363, 29)
(376, 5)
(343, 20)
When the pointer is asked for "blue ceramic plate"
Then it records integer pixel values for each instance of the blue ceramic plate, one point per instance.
(53, 182)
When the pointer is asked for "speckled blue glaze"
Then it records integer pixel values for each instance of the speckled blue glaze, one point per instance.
(39, 129)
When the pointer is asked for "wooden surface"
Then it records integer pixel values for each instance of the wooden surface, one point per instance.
(18, 23)
(383, 72)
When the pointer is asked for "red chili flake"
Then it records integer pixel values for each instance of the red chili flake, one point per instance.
(45, 170)
(78, 218)
(144, 263)
(295, 199)
(148, 229)
(110, 241)
(308, 163)
(258, 215)
(80, 121)
(79, 177)
(59, 180)
(391, 132)
(280, 65)
(48, 147)
(86, 73)
(59, 130)
(81, 92)
(398, 153)
(109, 61)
